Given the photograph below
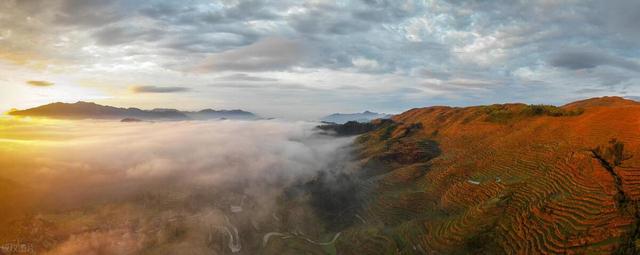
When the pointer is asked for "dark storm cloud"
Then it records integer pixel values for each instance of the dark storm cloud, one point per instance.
(582, 59)
(40, 83)
(156, 89)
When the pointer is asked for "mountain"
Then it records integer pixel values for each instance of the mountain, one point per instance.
(366, 116)
(501, 179)
(87, 110)
(221, 114)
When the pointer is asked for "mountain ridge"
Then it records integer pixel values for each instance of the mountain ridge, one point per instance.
(90, 110)
(366, 116)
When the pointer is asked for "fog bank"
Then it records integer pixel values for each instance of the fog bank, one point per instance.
(212, 187)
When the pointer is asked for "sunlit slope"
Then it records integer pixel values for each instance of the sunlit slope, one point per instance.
(513, 179)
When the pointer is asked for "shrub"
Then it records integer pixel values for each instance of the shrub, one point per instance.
(549, 110)
(498, 113)
(502, 113)
(387, 132)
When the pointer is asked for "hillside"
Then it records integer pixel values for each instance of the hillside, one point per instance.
(513, 179)
(88, 110)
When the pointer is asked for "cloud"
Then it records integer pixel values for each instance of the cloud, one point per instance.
(266, 86)
(115, 35)
(470, 83)
(618, 18)
(365, 64)
(245, 77)
(140, 186)
(634, 98)
(225, 13)
(489, 40)
(40, 83)
(440, 75)
(326, 19)
(120, 241)
(591, 90)
(157, 89)
(583, 59)
(89, 13)
(265, 55)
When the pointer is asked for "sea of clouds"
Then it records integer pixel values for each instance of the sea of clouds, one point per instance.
(158, 187)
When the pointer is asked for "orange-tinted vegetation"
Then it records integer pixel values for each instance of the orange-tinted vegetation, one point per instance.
(511, 178)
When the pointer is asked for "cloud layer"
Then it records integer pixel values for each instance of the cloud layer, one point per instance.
(400, 54)
(156, 89)
(132, 185)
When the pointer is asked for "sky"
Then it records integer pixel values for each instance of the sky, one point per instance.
(306, 59)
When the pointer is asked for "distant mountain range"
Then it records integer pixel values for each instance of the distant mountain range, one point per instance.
(88, 110)
(366, 116)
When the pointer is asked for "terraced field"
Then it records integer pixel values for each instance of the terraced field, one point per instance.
(503, 179)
